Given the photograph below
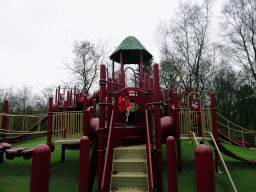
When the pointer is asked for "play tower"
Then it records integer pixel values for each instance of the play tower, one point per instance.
(127, 150)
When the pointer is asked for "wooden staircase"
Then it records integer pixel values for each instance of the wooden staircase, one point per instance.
(129, 170)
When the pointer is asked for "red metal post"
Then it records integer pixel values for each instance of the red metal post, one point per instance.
(49, 128)
(74, 103)
(102, 104)
(199, 117)
(177, 130)
(180, 96)
(94, 107)
(63, 146)
(149, 68)
(192, 96)
(171, 94)
(56, 96)
(84, 164)
(109, 101)
(4, 123)
(141, 70)
(40, 171)
(168, 106)
(113, 69)
(122, 69)
(204, 169)
(85, 115)
(171, 164)
(214, 128)
(158, 129)
(146, 81)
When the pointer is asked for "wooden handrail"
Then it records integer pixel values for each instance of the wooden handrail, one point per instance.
(148, 151)
(106, 178)
(192, 133)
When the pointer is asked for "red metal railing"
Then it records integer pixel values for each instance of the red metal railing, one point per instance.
(106, 178)
(148, 150)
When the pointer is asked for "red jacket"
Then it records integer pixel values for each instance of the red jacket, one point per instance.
(124, 104)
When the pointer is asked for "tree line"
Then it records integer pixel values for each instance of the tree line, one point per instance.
(24, 101)
(224, 63)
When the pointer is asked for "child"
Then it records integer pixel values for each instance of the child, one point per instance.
(124, 106)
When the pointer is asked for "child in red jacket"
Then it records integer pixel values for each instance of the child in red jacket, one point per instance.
(124, 107)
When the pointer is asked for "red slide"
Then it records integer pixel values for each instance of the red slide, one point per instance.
(230, 154)
(20, 137)
(233, 140)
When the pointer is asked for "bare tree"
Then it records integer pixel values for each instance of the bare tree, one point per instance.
(239, 34)
(189, 47)
(86, 62)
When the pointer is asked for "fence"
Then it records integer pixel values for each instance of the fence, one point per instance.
(23, 125)
(67, 125)
(190, 121)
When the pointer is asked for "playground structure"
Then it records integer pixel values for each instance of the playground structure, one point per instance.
(133, 154)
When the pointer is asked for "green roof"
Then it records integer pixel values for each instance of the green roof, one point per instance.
(131, 50)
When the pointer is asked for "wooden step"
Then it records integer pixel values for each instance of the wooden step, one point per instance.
(129, 165)
(198, 138)
(129, 170)
(131, 152)
(130, 180)
(131, 189)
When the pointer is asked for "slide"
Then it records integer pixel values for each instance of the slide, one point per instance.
(20, 137)
(230, 154)
(233, 140)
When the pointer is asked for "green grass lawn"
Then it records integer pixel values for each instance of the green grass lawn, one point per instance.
(15, 174)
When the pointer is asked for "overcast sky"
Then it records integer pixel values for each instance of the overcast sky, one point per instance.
(35, 36)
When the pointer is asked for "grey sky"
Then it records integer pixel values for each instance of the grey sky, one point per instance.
(36, 35)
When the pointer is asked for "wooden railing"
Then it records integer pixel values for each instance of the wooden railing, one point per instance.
(67, 125)
(22, 124)
(148, 151)
(235, 133)
(106, 178)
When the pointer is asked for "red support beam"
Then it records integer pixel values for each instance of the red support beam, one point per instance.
(49, 128)
(177, 131)
(214, 128)
(94, 107)
(85, 116)
(113, 69)
(204, 169)
(199, 117)
(84, 164)
(4, 123)
(158, 129)
(40, 170)
(102, 105)
(171, 164)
